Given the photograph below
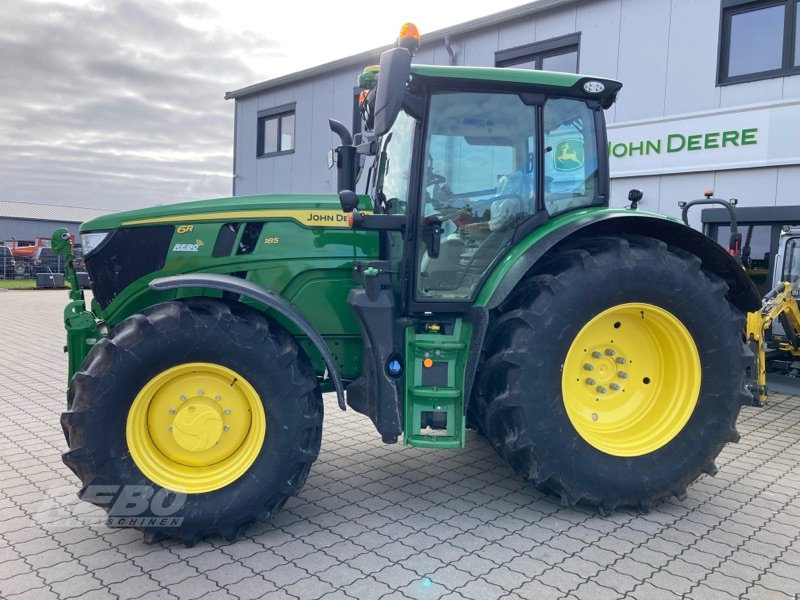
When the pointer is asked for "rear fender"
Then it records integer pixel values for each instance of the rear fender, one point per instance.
(236, 285)
(742, 292)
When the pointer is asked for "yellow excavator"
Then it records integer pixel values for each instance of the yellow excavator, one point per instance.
(773, 332)
(778, 351)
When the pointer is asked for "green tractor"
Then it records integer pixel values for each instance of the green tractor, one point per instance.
(480, 281)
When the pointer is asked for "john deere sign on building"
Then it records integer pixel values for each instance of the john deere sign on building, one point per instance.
(759, 135)
(705, 104)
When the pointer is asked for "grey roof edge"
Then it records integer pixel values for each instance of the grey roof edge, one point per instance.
(435, 36)
(32, 211)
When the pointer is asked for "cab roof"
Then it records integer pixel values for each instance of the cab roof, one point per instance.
(570, 84)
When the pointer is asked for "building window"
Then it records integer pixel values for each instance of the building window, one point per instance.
(557, 54)
(276, 131)
(758, 40)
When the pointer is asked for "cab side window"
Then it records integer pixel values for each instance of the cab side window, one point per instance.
(570, 160)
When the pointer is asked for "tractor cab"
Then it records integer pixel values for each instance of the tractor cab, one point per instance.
(486, 175)
(467, 161)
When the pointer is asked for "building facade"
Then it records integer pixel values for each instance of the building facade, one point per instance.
(26, 221)
(711, 96)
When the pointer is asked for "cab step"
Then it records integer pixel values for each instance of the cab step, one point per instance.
(434, 395)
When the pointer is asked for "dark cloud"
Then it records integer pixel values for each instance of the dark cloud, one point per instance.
(117, 103)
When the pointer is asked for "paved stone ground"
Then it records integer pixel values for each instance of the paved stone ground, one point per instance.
(378, 521)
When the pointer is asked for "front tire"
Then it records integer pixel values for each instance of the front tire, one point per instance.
(210, 408)
(614, 375)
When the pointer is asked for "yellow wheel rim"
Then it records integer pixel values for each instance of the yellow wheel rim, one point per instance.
(631, 379)
(196, 427)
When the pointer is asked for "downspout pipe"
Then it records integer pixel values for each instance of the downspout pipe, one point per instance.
(449, 49)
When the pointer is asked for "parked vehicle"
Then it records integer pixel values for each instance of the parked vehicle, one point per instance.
(44, 260)
(25, 252)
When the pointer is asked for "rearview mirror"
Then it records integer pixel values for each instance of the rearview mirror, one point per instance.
(393, 76)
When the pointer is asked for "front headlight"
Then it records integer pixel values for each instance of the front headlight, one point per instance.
(90, 241)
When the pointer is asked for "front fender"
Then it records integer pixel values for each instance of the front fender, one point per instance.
(241, 287)
(742, 292)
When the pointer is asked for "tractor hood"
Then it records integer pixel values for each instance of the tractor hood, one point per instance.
(123, 251)
(306, 209)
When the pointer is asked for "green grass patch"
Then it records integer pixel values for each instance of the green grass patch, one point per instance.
(18, 284)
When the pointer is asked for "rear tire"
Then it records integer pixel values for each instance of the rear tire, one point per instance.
(144, 379)
(552, 346)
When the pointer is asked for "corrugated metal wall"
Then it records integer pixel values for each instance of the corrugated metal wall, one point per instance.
(29, 230)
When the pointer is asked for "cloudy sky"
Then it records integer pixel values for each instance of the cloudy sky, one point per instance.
(119, 103)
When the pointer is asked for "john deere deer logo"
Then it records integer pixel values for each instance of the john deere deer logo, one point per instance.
(568, 154)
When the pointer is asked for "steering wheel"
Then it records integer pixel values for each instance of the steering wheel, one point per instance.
(434, 179)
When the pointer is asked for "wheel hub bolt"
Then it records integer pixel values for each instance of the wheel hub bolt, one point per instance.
(596, 354)
(620, 360)
(614, 387)
(601, 389)
(590, 381)
(217, 397)
(169, 427)
(182, 397)
(594, 416)
(622, 375)
(227, 411)
(172, 411)
(610, 352)
(226, 428)
(199, 392)
(588, 367)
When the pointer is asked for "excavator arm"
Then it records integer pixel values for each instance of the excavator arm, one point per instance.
(781, 304)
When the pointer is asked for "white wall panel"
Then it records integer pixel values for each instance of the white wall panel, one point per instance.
(787, 189)
(516, 33)
(425, 56)
(644, 37)
(299, 179)
(245, 167)
(266, 100)
(554, 24)
(791, 87)
(599, 24)
(692, 57)
(752, 187)
(752, 92)
(684, 187)
(479, 48)
(266, 174)
(440, 56)
(321, 137)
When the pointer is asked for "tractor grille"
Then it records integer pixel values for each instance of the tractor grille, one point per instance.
(124, 257)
